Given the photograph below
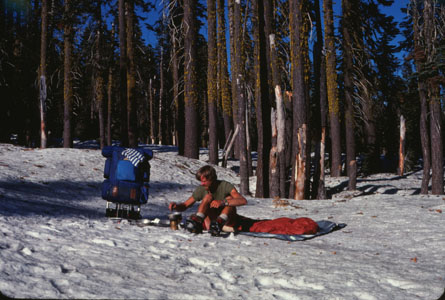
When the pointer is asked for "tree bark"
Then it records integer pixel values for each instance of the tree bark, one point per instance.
(67, 83)
(351, 163)
(152, 114)
(179, 103)
(262, 101)
(436, 140)
(176, 18)
(297, 188)
(434, 88)
(281, 140)
(274, 184)
(109, 104)
(304, 33)
(223, 74)
(99, 84)
(424, 139)
(110, 92)
(233, 66)
(42, 77)
(278, 167)
(424, 134)
(319, 188)
(331, 75)
(191, 147)
(240, 83)
(161, 125)
(212, 88)
(131, 78)
(123, 74)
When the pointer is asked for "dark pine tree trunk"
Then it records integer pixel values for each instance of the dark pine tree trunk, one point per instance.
(109, 104)
(434, 91)
(42, 77)
(331, 77)
(110, 97)
(233, 66)
(436, 140)
(424, 134)
(212, 89)
(223, 74)
(278, 172)
(131, 78)
(99, 89)
(298, 183)
(351, 163)
(319, 189)
(161, 117)
(240, 83)
(179, 101)
(123, 74)
(151, 106)
(191, 147)
(274, 157)
(262, 101)
(67, 83)
(424, 138)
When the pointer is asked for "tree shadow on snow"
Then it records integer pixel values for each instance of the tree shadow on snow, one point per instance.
(370, 188)
(53, 198)
(161, 187)
(74, 199)
(93, 144)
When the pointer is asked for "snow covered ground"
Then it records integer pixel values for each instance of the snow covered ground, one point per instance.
(56, 243)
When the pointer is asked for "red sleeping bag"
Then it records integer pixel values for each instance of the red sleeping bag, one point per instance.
(280, 226)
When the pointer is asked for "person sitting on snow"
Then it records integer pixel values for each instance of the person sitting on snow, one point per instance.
(217, 209)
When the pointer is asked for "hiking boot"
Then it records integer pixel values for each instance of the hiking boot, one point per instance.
(216, 226)
(194, 224)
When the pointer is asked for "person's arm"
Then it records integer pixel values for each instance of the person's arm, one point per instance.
(235, 199)
(182, 206)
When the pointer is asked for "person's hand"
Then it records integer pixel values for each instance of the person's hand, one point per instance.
(216, 203)
(175, 206)
(208, 198)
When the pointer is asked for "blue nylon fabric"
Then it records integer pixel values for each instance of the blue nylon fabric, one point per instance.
(125, 171)
(121, 174)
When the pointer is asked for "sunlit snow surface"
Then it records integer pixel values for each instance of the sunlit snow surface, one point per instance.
(56, 243)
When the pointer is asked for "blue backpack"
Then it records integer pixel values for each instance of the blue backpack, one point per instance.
(127, 173)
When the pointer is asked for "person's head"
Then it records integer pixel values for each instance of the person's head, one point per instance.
(207, 175)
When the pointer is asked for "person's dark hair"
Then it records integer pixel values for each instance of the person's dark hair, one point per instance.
(208, 172)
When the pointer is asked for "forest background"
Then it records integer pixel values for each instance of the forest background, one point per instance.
(305, 90)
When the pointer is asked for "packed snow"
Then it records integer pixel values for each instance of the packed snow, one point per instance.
(55, 241)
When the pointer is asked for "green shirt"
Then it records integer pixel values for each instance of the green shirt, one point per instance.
(219, 191)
